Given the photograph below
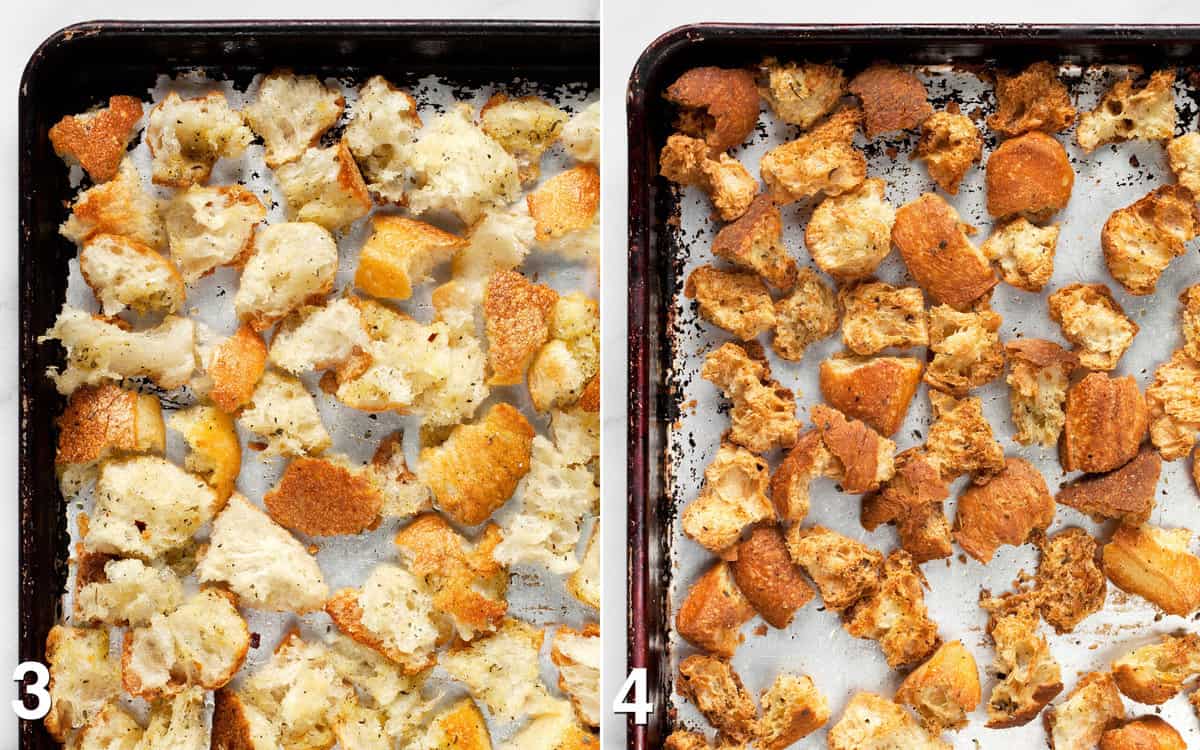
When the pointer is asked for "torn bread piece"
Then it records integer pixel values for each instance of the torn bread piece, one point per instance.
(1106, 420)
(850, 234)
(383, 123)
(381, 686)
(102, 421)
(120, 206)
(912, 500)
(1024, 252)
(404, 495)
(766, 575)
(1125, 113)
(844, 570)
(862, 458)
(717, 692)
(577, 656)
(736, 301)
(293, 264)
(1143, 733)
(1092, 320)
(893, 98)
(178, 722)
(823, 161)
(1038, 378)
(966, 349)
(895, 615)
(804, 462)
(950, 145)
(584, 583)
(879, 316)
(566, 212)
(1011, 506)
(877, 390)
(261, 562)
(96, 140)
(501, 670)
(84, 677)
(324, 497)
(399, 255)
(1155, 673)
(1070, 584)
(459, 727)
(1031, 675)
(291, 113)
(214, 452)
(1175, 398)
(392, 613)
(563, 367)
(525, 126)
(733, 498)
(581, 135)
(754, 242)
(553, 725)
(577, 430)
(944, 689)
(792, 709)
(1034, 99)
(325, 187)
(1183, 156)
(187, 136)
(123, 273)
(713, 612)
(872, 722)
(1029, 176)
(1091, 707)
(729, 185)
(123, 592)
(1155, 564)
(284, 413)
(800, 94)
(209, 227)
(933, 241)
(719, 105)
(1126, 493)
(318, 337)
(960, 441)
(233, 368)
(764, 413)
(807, 315)
(1142, 239)
(112, 728)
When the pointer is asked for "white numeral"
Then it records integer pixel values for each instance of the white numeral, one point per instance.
(37, 689)
(640, 706)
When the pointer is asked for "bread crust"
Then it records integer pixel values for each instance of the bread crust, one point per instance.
(804, 462)
(1106, 420)
(863, 458)
(1030, 176)
(716, 690)
(104, 419)
(713, 611)
(1011, 506)
(1156, 672)
(1154, 563)
(517, 315)
(930, 237)
(1144, 733)
(567, 202)
(892, 99)
(343, 608)
(768, 578)
(878, 390)
(719, 105)
(755, 242)
(97, 140)
(1126, 493)
(912, 500)
(1034, 99)
(230, 727)
(944, 689)
(320, 497)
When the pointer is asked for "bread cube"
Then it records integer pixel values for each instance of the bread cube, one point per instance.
(1069, 581)
(808, 459)
(96, 140)
(291, 113)
(324, 187)
(892, 99)
(404, 495)
(862, 459)
(577, 656)
(895, 614)
(553, 725)
(1011, 506)
(850, 234)
(718, 105)
(461, 726)
(878, 316)
(1029, 176)
(736, 301)
(178, 722)
(1092, 320)
(565, 365)
(943, 690)
(584, 583)
(764, 413)
(1125, 113)
(1024, 251)
(1106, 422)
(844, 570)
(209, 227)
(517, 314)
(382, 125)
(754, 242)
(525, 127)
(1079, 721)
(800, 94)
(234, 368)
(501, 670)
(1142, 239)
(966, 349)
(128, 592)
(120, 206)
(214, 452)
(877, 390)
(113, 728)
(1126, 493)
(871, 721)
(324, 497)
(1155, 563)
(718, 693)
(1183, 155)
(807, 315)
(960, 440)
(83, 678)
(581, 135)
(1144, 733)
(391, 613)
(822, 161)
(283, 412)
(950, 145)
(912, 500)
(187, 136)
(792, 709)
(933, 242)
(713, 612)
(293, 264)
(1038, 378)
(730, 186)
(125, 273)
(1156, 672)
(766, 575)
(318, 337)
(1032, 676)
(1034, 99)
(733, 497)
(100, 421)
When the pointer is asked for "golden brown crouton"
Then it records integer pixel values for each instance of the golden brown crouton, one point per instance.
(719, 105)
(1106, 421)
(801, 94)
(1155, 564)
(960, 440)
(932, 239)
(1034, 99)
(1031, 676)
(1124, 114)
(120, 206)
(754, 242)
(1092, 320)
(566, 365)
(843, 569)
(1078, 722)
(717, 691)
(966, 349)
(892, 99)
(1038, 378)
(1025, 253)
(391, 613)
(1145, 733)
(736, 301)
(764, 413)
(1126, 493)
(1155, 673)
(576, 654)
(399, 255)
(235, 367)
(1174, 396)
(862, 459)
(1069, 582)
(461, 725)
(1012, 505)
(323, 497)
(733, 497)
(878, 316)
(214, 453)
(525, 126)
(683, 740)
(807, 460)
(1029, 176)
(1170, 437)
(876, 390)
(713, 612)
(1189, 314)
(807, 315)
(850, 234)
(1142, 239)
(517, 314)
(477, 468)
(1183, 154)
(912, 500)
(767, 576)
(96, 140)
(83, 677)
(950, 144)
(822, 160)
(102, 421)
(944, 689)
(567, 202)
(871, 722)
(895, 614)
(792, 709)
(730, 186)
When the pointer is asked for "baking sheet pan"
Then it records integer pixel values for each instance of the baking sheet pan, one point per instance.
(676, 419)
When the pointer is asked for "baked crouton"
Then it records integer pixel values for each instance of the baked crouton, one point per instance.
(102, 421)
(872, 722)
(1034, 99)
(1029, 176)
(1092, 320)
(1155, 564)
(565, 365)
(754, 242)
(912, 500)
(807, 315)
(501, 670)
(1038, 378)
(178, 722)
(960, 440)
(849, 235)
(1030, 675)
(318, 337)
(1070, 585)
(517, 314)
(96, 140)
(584, 583)
(325, 187)
(383, 123)
(391, 613)
(892, 99)
(1155, 673)
(83, 678)
(461, 725)
(1126, 494)
(293, 264)
(1189, 314)
(719, 105)
(284, 413)
(113, 728)
(876, 390)
(125, 273)
(324, 497)
(717, 691)
(291, 113)
(683, 740)
(934, 244)
(944, 689)
(261, 562)
(950, 145)
(764, 413)
(577, 430)
(730, 186)
(822, 161)
(1183, 155)
(1145, 733)
(843, 569)
(1007, 509)
(733, 497)
(1124, 113)
(766, 575)
(566, 212)
(895, 614)
(400, 253)
(878, 316)
(127, 592)
(1025, 253)
(1106, 419)
(1174, 405)
(1141, 240)
(800, 94)
(553, 726)
(966, 349)
(214, 453)
(525, 127)
(736, 301)
(713, 611)
(581, 135)
(208, 227)
(187, 136)
(120, 206)
(804, 462)
(862, 459)
(1079, 721)
(792, 708)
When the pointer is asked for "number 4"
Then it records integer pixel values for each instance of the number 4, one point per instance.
(37, 689)
(640, 706)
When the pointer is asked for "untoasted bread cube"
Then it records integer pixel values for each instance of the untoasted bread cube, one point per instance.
(577, 430)
(565, 365)
(933, 242)
(950, 145)
(525, 127)
(358, 727)
(237, 725)
(477, 468)
(498, 241)
(862, 459)
(517, 314)
(792, 708)
(892, 99)
(801, 94)
(234, 368)
(147, 506)
(261, 562)
(96, 140)
(125, 273)
(502, 670)
(1093, 320)
(83, 678)
(1011, 506)
(403, 494)
(733, 498)
(383, 123)
(291, 113)
(208, 227)
(214, 453)
(324, 497)
(283, 412)
(843, 569)
(100, 421)
(1144, 733)
(467, 582)
(764, 413)
(807, 315)
(325, 187)
(178, 723)
(1025, 253)
(1155, 563)
(1038, 378)
(293, 264)
(766, 575)
(1124, 113)
(566, 212)
(895, 614)
(736, 301)
(202, 643)
(960, 440)
(719, 105)
(1155, 673)
(459, 727)
(1070, 584)
(944, 689)
(1078, 722)
(713, 612)
(871, 722)
(1183, 154)
(577, 656)
(877, 390)
(804, 462)
(318, 338)
(381, 683)
(129, 592)
(850, 234)
(581, 135)
(120, 206)
(1032, 677)
(187, 136)
(458, 168)
(297, 691)
(1142, 239)
(966, 349)
(754, 242)
(1126, 493)
(1034, 99)
(399, 255)
(393, 614)
(553, 726)
(1106, 421)
(878, 316)
(912, 500)
(717, 691)
(1029, 176)
(584, 583)
(113, 728)
(822, 161)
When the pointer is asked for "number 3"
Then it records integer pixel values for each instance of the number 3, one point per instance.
(37, 689)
